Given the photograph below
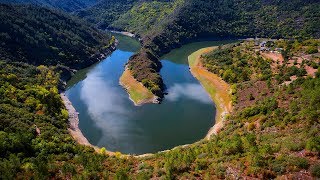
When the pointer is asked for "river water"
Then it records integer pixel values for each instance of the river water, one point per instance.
(109, 119)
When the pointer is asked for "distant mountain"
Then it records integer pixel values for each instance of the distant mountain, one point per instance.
(66, 5)
(38, 35)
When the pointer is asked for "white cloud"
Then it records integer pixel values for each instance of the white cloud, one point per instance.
(188, 90)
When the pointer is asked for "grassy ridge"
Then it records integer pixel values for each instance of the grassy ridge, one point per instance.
(137, 92)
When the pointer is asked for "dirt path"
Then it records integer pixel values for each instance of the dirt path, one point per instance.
(218, 89)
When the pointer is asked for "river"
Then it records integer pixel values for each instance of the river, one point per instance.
(109, 119)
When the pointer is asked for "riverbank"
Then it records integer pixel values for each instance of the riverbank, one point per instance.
(74, 129)
(218, 89)
(138, 93)
(74, 123)
(127, 72)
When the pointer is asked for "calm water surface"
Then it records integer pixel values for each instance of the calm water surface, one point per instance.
(109, 119)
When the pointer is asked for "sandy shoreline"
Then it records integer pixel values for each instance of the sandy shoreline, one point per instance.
(218, 89)
(138, 94)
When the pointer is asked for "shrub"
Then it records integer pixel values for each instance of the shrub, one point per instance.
(251, 126)
(312, 49)
(103, 150)
(315, 170)
(251, 97)
(313, 144)
(220, 171)
(121, 175)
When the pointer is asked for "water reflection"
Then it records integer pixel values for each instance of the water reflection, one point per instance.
(188, 90)
(104, 105)
(109, 119)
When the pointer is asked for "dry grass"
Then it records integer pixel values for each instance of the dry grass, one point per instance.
(137, 92)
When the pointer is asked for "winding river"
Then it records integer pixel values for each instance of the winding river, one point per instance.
(109, 119)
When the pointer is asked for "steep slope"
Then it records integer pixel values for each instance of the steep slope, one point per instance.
(232, 18)
(66, 5)
(37, 35)
(275, 135)
(106, 12)
(145, 16)
(237, 18)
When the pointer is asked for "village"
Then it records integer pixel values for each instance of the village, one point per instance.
(274, 50)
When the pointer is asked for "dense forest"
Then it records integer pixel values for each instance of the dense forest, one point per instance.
(146, 16)
(275, 134)
(237, 19)
(37, 36)
(105, 12)
(65, 5)
(34, 140)
(165, 25)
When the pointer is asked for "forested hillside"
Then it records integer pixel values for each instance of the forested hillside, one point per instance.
(34, 140)
(234, 18)
(273, 132)
(237, 18)
(66, 5)
(37, 35)
(275, 135)
(147, 16)
(104, 13)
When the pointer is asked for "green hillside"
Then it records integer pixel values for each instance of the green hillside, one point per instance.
(232, 18)
(105, 12)
(37, 36)
(273, 131)
(238, 19)
(145, 17)
(66, 5)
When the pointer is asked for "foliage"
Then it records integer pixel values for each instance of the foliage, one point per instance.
(34, 140)
(194, 19)
(145, 68)
(66, 5)
(234, 63)
(37, 36)
(147, 15)
(234, 18)
(29, 101)
(315, 170)
(105, 12)
(263, 140)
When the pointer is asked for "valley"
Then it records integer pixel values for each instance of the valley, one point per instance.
(159, 89)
